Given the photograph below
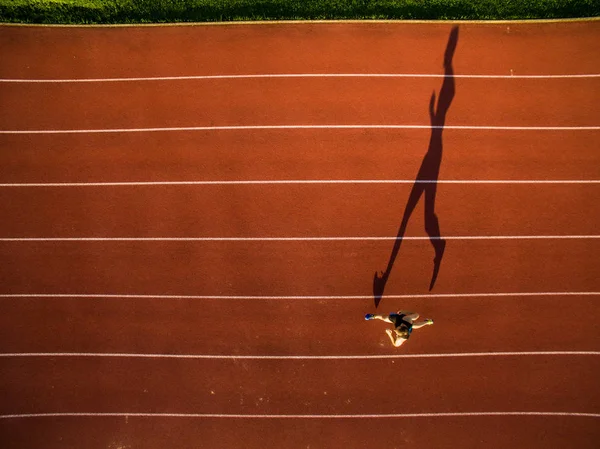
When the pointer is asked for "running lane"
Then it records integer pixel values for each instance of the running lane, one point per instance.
(512, 359)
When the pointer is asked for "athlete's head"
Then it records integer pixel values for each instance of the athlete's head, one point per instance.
(402, 331)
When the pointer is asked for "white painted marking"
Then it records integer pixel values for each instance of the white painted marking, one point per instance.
(302, 181)
(300, 127)
(297, 75)
(297, 357)
(290, 416)
(292, 239)
(311, 297)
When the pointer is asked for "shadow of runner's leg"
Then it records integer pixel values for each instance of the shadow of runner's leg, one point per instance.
(380, 281)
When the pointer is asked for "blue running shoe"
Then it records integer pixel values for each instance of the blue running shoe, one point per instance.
(369, 316)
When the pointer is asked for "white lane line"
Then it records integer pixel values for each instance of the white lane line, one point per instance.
(292, 239)
(310, 297)
(297, 127)
(297, 75)
(301, 416)
(302, 181)
(296, 357)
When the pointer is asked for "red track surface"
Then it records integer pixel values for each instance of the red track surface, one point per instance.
(276, 326)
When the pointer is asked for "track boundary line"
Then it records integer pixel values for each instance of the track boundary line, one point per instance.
(280, 416)
(301, 181)
(292, 75)
(293, 239)
(244, 23)
(290, 357)
(341, 297)
(299, 127)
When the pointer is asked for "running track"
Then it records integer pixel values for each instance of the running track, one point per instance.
(157, 292)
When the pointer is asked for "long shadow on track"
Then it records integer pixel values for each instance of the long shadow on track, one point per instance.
(427, 176)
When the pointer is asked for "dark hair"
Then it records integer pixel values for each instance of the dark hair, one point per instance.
(402, 331)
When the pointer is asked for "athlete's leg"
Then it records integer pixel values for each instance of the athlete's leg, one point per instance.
(385, 318)
(419, 324)
(410, 316)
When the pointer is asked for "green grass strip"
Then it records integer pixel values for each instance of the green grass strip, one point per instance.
(163, 11)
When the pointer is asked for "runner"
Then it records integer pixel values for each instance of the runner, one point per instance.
(404, 323)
